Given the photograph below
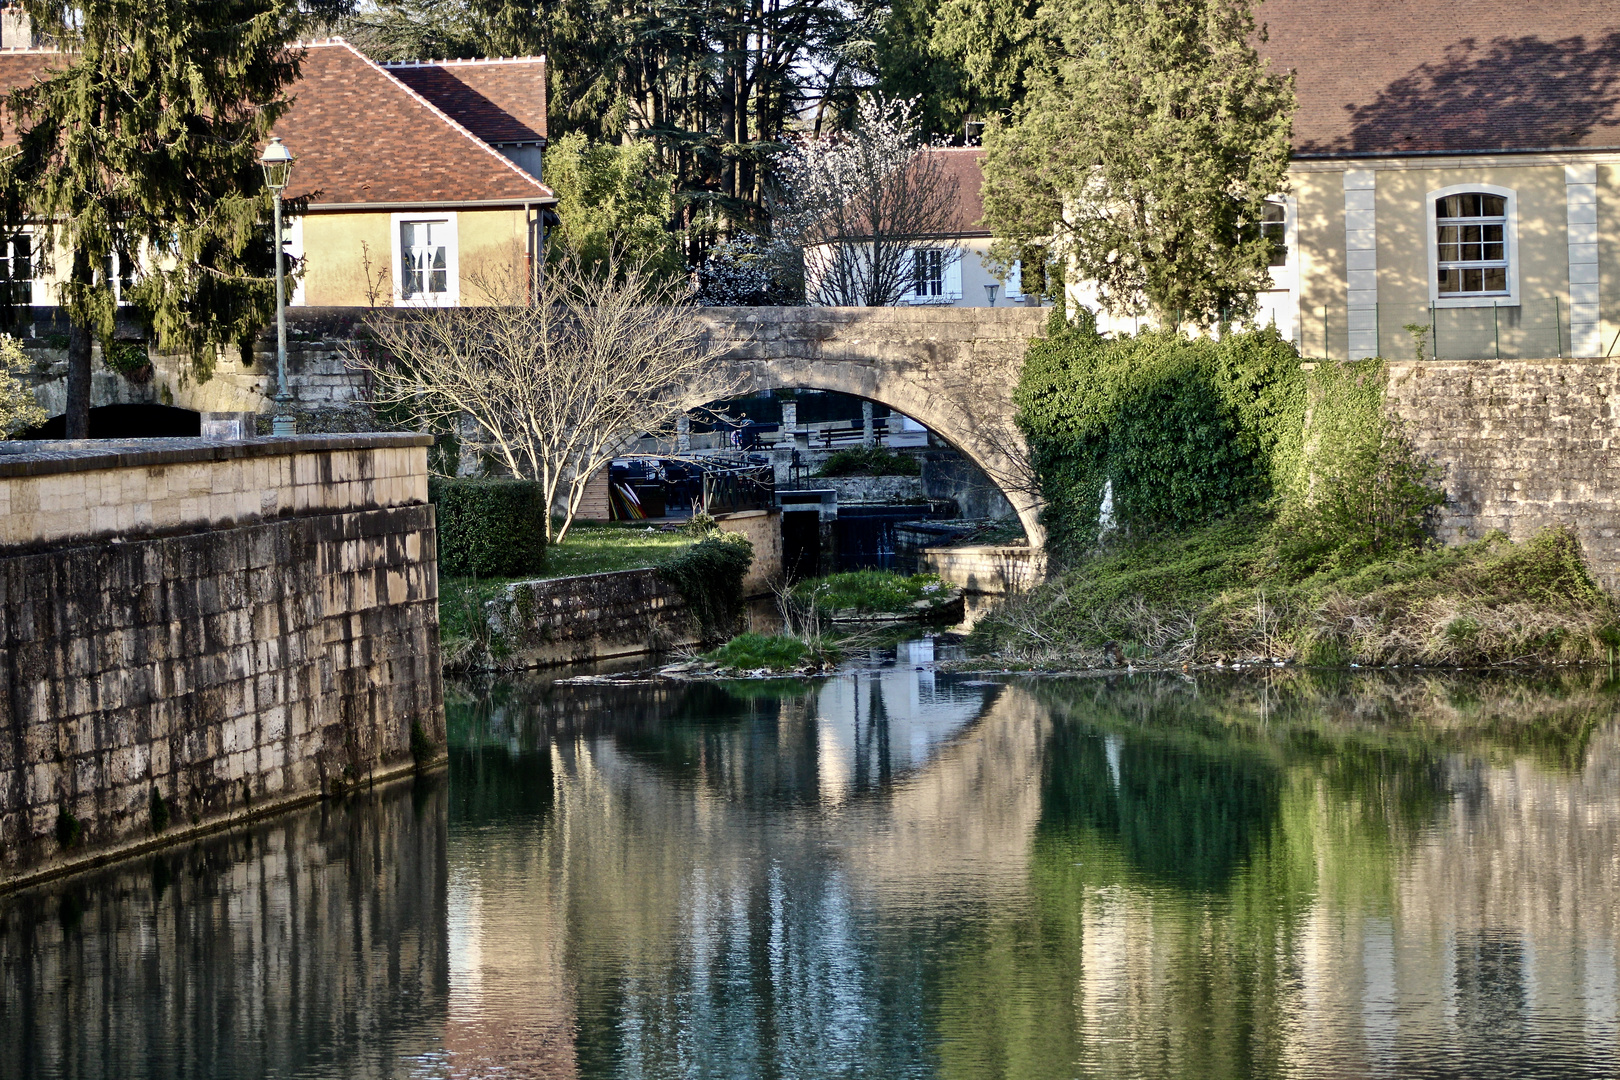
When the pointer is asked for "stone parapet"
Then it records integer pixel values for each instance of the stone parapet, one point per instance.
(54, 491)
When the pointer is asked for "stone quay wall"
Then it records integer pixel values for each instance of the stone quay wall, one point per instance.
(1524, 444)
(193, 633)
(575, 620)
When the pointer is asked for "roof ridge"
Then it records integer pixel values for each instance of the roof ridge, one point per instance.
(442, 115)
(468, 61)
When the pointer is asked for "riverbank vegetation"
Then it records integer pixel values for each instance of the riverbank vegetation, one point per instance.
(1221, 501)
(869, 461)
(873, 592)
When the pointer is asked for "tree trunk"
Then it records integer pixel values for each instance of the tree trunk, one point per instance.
(77, 417)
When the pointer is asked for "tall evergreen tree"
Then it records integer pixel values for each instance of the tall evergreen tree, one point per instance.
(1144, 156)
(142, 145)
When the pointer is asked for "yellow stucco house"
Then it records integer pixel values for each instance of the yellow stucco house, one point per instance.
(1462, 173)
(420, 178)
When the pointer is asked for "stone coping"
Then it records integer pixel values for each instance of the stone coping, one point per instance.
(47, 458)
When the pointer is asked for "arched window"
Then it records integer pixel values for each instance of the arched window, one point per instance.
(1472, 246)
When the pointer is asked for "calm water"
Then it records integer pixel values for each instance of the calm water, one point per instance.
(895, 873)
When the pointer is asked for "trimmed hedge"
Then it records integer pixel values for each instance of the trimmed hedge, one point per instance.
(489, 527)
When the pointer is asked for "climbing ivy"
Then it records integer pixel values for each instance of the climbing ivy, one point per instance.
(1185, 431)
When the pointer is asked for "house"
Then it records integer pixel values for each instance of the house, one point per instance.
(1457, 167)
(419, 178)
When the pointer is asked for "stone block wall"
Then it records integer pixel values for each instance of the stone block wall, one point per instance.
(764, 530)
(590, 617)
(1524, 444)
(996, 569)
(195, 633)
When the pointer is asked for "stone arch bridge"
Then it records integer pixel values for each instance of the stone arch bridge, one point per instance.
(952, 369)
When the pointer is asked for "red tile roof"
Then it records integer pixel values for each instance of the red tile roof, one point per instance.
(961, 164)
(362, 136)
(1458, 76)
(500, 101)
(19, 67)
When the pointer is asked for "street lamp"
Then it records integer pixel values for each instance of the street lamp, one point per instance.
(278, 162)
(990, 291)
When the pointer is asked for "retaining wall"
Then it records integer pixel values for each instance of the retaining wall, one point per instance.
(590, 617)
(193, 633)
(1524, 444)
(764, 530)
(986, 568)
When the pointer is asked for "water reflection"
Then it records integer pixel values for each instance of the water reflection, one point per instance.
(896, 872)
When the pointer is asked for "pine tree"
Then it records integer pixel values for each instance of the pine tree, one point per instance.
(1145, 154)
(143, 143)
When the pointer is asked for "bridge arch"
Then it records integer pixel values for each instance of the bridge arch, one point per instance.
(953, 370)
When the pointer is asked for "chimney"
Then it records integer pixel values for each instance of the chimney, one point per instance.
(16, 30)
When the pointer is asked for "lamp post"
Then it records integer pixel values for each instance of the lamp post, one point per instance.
(277, 162)
(990, 291)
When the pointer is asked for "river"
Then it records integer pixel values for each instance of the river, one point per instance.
(895, 872)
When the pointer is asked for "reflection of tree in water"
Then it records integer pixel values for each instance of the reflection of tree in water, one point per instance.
(1181, 814)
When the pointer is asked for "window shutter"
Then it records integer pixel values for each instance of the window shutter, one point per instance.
(953, 274)
(1015, 280)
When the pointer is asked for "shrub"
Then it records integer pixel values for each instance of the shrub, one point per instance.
(709, 576)
(489, 527)
(1185, 430)
(869, 461)
(750, 651)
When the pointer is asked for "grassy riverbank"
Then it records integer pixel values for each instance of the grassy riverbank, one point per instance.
(1230, 592)
(589, 549)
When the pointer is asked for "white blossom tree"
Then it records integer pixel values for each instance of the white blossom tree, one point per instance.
(19, 410)
(853, 208)
(604, 354)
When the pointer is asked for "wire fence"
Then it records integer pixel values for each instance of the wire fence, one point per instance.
(1535, 328)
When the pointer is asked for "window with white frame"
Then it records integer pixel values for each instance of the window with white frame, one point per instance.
(425, 260)
(17, 270)
(1473, 247)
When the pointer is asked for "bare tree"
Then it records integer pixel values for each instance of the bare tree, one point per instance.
(602, 355)
(857, 209)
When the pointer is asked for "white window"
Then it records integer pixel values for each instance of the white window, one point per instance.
(118, 270)
(1473, 246)
(936, 276)
(425, 260)
(17, 271)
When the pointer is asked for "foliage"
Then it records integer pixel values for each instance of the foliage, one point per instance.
(1225, 591)
(489, 527)
(19, 410)
(709, 576)
(131, 359)
(606, 352)
(870, 591)
(960, 58)
(1368, 493)
(143, 143)
(869, 461)
(712, 85)
(1144, 155)
(614, 199)
(747, 271)
(853, 207)
(1183, 430)
(158, 807)
(751, 652)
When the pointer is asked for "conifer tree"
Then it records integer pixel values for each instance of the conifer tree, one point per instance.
(141, 143)
(1144, 156)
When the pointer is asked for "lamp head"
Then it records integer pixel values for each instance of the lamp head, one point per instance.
(990, 292)
(277, 162)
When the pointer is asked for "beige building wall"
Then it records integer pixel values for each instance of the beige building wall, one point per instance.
(349, 257)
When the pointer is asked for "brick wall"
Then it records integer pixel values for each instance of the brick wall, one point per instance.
(1524, 444)
(232, 647)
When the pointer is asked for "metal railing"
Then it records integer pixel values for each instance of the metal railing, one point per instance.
(1535, 328)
